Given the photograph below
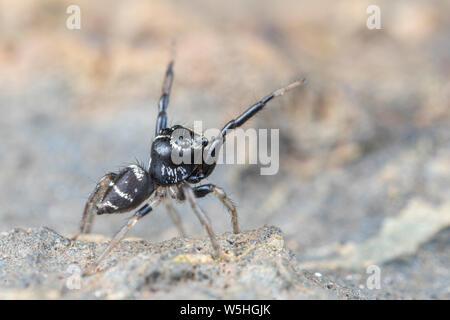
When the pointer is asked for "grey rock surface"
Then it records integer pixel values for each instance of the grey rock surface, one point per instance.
(39, 263)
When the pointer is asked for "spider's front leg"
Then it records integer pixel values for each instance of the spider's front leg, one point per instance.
(204, 220)
(203, 190)
(161, 120)
(216, 144)
(90, 208)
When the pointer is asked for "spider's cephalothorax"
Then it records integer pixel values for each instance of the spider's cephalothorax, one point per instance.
(179, 158)
(171, 144)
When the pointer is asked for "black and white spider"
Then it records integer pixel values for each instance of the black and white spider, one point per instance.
(134, 185)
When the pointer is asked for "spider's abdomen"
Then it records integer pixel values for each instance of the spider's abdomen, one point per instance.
(127, 191)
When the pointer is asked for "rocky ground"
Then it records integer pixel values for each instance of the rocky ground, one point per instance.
(364, 152)
(39, 263)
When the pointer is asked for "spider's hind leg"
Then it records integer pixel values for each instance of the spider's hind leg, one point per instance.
(142, 212)
(90, 207)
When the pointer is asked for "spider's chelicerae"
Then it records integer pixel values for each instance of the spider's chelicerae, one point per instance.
(135, 185)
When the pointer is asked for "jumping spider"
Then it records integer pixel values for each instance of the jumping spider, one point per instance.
(134, 185)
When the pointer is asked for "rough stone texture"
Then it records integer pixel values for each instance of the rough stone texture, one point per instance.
(39, 263)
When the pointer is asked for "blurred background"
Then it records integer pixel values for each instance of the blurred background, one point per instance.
(364, 147)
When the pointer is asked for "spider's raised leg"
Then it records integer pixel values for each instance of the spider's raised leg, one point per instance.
(143, 211)
(161, 121)
(174, 216)
(204, 220)
(90, 209)
(203, 190)
(250, 112)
